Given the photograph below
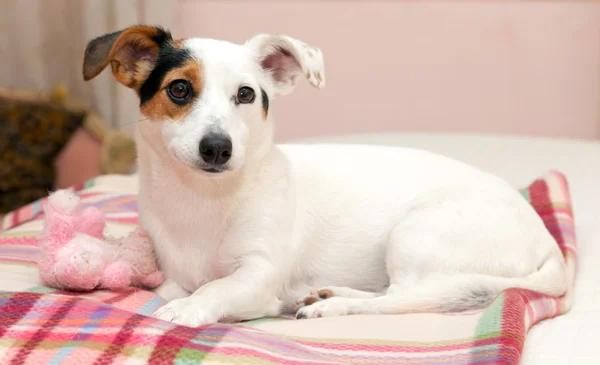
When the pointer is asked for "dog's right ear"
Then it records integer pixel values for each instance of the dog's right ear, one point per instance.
(131, 53)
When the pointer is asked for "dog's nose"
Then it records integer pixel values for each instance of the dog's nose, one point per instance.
(215, 150)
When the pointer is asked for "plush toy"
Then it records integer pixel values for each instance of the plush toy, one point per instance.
(75, 256)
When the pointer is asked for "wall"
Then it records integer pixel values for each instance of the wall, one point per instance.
(530, 67)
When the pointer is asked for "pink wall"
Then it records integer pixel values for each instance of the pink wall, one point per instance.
(471, 66)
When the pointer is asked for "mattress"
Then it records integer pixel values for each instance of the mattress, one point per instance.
(567, 339)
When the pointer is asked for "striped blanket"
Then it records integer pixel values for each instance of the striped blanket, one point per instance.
(39, 325)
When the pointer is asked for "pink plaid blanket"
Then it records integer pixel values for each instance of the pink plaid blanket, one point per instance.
(39, 325)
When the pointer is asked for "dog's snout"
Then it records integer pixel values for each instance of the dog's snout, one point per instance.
(215, 149)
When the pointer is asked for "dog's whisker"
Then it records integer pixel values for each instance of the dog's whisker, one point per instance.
(137, 121)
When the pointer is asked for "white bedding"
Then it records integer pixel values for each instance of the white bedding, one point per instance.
(575, 337)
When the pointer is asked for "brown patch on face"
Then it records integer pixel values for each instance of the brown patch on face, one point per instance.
(161, 106)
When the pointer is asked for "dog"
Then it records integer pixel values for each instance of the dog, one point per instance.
(245, 228)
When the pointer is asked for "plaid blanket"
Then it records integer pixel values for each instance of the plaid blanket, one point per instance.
(39, 325)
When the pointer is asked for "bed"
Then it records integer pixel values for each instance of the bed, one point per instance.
(44, 333)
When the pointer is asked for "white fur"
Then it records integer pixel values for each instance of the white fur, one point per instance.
(393, 230)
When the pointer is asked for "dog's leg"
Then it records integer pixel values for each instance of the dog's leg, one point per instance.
(435, 294)
(248, 293)
(170, 290)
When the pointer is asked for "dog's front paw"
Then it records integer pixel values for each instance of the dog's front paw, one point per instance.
(332, 307)
(184, 312)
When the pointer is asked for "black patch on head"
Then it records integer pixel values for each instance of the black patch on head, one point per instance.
(162, 36)
(168, 58)
(265, 100)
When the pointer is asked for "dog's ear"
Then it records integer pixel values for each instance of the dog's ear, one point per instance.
(285, 59)
(131, 53)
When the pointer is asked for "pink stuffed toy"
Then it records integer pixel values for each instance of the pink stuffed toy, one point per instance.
(75, 255)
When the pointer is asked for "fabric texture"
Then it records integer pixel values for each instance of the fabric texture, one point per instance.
(39, 325)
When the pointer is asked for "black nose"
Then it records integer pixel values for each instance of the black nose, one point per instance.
(215, 150)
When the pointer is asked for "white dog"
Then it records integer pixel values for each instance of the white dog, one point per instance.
(244, 228)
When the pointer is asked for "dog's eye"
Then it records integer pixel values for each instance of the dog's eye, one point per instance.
(245, 95)
(179, 91)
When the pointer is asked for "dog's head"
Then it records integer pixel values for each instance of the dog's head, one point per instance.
(210, 98)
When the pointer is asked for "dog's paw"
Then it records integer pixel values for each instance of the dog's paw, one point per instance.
(184, 312)
(315, 296)
(332, 307)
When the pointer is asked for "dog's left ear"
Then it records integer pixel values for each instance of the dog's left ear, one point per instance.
(285, 59)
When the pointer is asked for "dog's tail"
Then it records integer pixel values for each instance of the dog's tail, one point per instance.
(474, 291)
